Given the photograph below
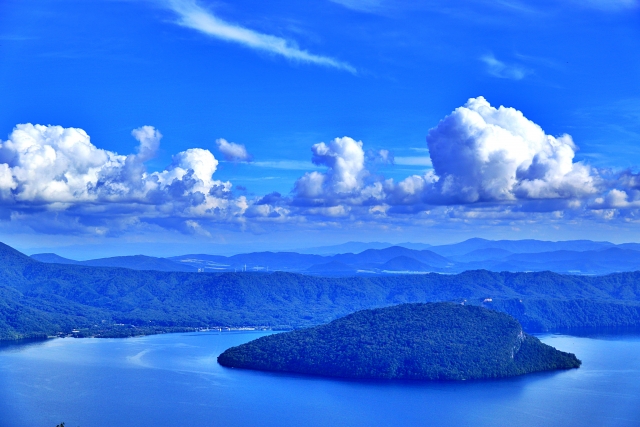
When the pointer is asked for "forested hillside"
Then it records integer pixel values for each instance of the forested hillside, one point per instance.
(38, 298)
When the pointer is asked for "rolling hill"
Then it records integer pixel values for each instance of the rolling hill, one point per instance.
(437, 341)
(38, 298)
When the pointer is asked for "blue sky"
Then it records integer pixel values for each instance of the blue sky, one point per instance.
(274, 80)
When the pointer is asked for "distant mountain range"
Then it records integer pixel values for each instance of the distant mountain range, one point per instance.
(569, 257)
(357, 247)
(134, 262)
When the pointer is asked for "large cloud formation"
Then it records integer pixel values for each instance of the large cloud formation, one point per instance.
(481, 153)
(481, 156)
(488, 164)
(50, 168)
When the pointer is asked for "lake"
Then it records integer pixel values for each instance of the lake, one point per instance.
(174, 380)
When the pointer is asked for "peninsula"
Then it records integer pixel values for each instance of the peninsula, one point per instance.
(432, 341)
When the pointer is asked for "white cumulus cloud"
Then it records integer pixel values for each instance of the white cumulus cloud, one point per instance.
(480, 156)
(51, 164)
(485, 163)
(483, 153)
(344, 158)
(51, 168)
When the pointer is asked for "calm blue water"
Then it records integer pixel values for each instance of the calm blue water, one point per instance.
(174, 380)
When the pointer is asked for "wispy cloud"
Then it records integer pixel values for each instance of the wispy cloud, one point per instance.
(196, 17)
(540, 61)
(514, 6)
(286, 164)
(611, 5)
(503, 70)
(14, 38)
(361, 5)
(413, 161)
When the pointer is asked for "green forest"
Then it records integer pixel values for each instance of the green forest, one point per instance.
(434, 341)
(38, 299)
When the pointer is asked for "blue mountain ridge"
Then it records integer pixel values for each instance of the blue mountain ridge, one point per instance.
(575, 257)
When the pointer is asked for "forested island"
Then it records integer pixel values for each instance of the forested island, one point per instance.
(433, 341)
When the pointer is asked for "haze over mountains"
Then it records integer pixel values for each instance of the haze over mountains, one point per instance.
(569, 257)
(356, 247)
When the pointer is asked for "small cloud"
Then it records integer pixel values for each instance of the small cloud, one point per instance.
(233, 152)
(196, 17)
(503, 70)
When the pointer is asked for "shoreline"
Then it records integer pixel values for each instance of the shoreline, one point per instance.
(133, 331)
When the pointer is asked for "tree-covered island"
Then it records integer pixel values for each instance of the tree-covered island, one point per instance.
(433, 341)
